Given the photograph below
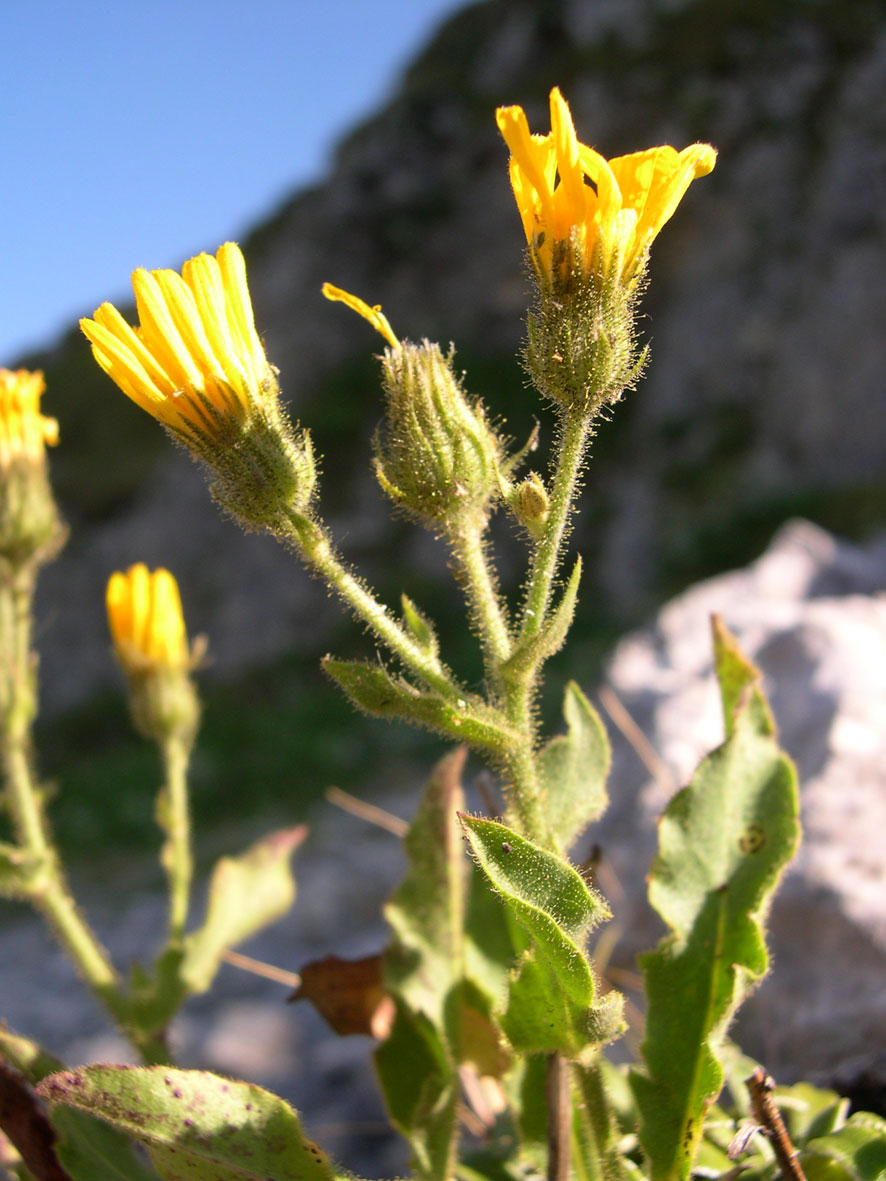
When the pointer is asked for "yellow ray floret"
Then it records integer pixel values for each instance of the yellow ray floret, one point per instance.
(146, 621)
(375, 316)
(24, 431)
(195, 358)
(568, 193)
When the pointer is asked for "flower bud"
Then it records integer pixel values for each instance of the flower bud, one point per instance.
(151, 644)
(529, 502)
(436, 455)
(29, 521)
(197, 365)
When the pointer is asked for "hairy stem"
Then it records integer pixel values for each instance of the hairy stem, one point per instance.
(483, 597)
(546, 560)
(319, 554)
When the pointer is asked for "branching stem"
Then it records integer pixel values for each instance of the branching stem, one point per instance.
(318, 552)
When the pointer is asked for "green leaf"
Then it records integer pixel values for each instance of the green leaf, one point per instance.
(531, 652)
(552, 1001)
(856, 1152)
(493, 940)
(724, 842)
(542, 1017)
(427, 910)
(574, 767)
(375, 691)
(739, 682)
(420, 1087)
(87, 1148)
(419, 626)
(194, 1123)
(246, 893)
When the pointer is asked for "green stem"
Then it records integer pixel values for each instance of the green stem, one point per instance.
(598, 1141)
(483, 597)
(177, 857)
(318, 553)
(546, 560)
(45, 885)
(520, 691)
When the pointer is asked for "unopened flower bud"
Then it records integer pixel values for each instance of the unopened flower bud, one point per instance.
(29, 521)
(197, 365)
(148, 629)
(529, 502)
(436, 456)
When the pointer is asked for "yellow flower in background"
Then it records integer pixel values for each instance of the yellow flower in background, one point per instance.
(574, 203)
(195, 361)
(146, 620)
(24, 431)
(374, 315)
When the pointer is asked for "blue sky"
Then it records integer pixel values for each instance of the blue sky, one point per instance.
(138, 133)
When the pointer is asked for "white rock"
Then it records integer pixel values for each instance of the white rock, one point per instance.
(808, 613)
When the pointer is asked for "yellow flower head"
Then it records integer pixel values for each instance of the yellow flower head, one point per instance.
(23, 429)
(375, 316)
(146, 621)
(195, 361)
(573, 202)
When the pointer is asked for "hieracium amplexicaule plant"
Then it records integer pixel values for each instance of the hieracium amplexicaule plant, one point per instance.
(491, 1011)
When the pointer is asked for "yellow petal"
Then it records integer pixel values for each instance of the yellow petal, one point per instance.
(375, 316)
(160, 334)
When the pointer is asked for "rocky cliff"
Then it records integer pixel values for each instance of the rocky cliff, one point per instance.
(765, 312)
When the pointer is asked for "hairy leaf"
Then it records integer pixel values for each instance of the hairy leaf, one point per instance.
(87, 1148)
(552, 1001)
(375, 691)
(419, 626)
(724, 842)
(246, 893)
(531, 652)
(194, 1123)
(574, 767)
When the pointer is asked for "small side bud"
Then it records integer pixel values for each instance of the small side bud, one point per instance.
(29, 522)
(151, 644)
(529, 503)
(436, 455)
